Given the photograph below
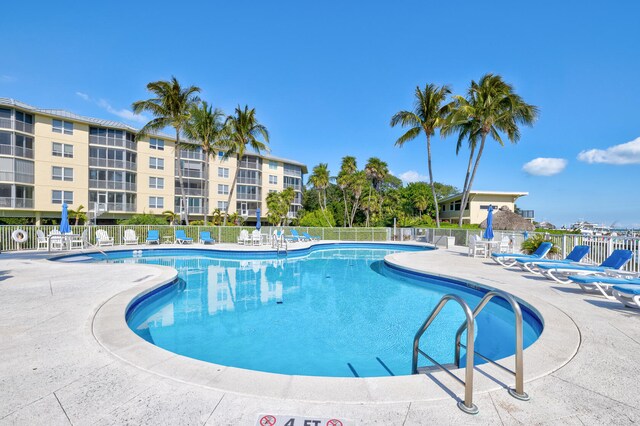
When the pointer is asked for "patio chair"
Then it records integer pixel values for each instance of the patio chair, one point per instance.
(505, 243)
(43, 241)
(602, 284)
(610, 266)
(181, 237)
(103, 238)
(243, 237)
(130, 237)
(311, 237)
(296, 236)
(576, 255)
(509, 259)
(256, 238)
(627, 295)
(205, 238)
(476, 247)
(55, 240)
(78, 242)
(153, 236)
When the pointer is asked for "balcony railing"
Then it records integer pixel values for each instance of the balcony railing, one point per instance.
(254, 165)
(527, 214)
(16, 177)
(18, 151)
(295, 187)
(245, 196)
(6, 123)
(115, 207)
(292, 172)
(187, 154)
(190, 191)
(21, 126)
(109, 163)
(18, 203)
(103, 184)
(104, 141)
(192, 209)
(249, 181)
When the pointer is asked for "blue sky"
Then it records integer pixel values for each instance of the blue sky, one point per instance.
(325, 78)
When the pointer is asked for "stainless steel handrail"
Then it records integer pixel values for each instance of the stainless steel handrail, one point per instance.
(518, 392)
(467, 405)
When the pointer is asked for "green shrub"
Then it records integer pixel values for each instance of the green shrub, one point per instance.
(317, 219)
(531, 244)
(144, 219)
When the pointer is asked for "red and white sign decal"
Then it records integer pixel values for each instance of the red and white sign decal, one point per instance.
(283, 420)
(267, 421)
(334, 422)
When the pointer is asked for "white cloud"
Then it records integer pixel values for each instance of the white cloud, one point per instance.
(6, 78)
(412, 176)
(626, 153)
(123, 113)
(545, 166)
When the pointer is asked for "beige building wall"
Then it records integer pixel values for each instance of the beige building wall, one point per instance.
(144, 172)
(475, 214)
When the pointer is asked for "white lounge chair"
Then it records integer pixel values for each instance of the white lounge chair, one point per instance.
(103, 238)
(256, 238)
(505, 244)
(78, 242)
(43, 241)
(628, 295)
(243, 237)
(130, 237)
(476, 247)
(55, 240)
(610, 266)
(603, 284)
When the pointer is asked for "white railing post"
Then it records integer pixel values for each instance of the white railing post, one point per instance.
(564, 245)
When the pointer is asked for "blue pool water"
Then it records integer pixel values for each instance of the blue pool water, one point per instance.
(335, 311)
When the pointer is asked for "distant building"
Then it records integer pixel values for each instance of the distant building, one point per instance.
(479, 201)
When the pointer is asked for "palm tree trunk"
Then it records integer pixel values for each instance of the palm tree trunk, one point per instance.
(346, 210)
(233, 186)
(433, 188)
(466, 182)
(322, 209)
(183, 197)
(206, 186)
(354, 210)
(473, 175)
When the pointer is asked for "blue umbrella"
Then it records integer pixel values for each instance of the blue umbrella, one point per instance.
(258, 224)
(525, 235)
(64, 221)
(488, 233)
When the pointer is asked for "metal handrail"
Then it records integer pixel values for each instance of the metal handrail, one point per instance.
(518, 392)
(467, 405)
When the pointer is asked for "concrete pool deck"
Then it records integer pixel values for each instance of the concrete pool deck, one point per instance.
(55, 368)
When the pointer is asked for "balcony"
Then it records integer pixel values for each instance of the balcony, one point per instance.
(103, 184)
(249, 181)
(18, 151)
(250, 197)
(192, 209)
(16, 177)
(109, 163)
(527, 214)
(292, 172)
(199, 192)
(115, 207)
(187, 154)
(295, 187)
(104, 141)
(253, 165)
(17, 203)
(191, 173)
(21, 126)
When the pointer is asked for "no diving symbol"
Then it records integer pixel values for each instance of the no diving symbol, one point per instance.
(267, 421)
(334, 422)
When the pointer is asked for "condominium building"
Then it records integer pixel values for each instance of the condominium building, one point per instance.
(49, 157)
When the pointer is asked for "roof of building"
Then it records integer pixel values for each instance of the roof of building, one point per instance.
(60, 113)
(473, 192)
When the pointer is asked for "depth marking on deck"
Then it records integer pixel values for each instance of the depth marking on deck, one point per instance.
(284, 420)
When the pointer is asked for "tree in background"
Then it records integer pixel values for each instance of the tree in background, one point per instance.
(242, 130)
(171, 217)
(491, 107)
(376, 171)
(278, 204)
(347, 169)
(429, 114)
(205, 126)
(78, 215)
(320, 181)
(171, 107)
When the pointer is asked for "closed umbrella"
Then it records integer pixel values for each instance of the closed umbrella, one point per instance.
(64, 220)
(488, 233)
(258, 224)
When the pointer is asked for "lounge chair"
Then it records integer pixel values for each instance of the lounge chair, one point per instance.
(628, 295)
(476, 247)
(509, 259)
(103, 238)
(611, 265)
(205, 238)
(153, 236)
(130, 237)
(55, 240)
(296, 236)
(43, 241)
(243, 237)
(576, 255)
(256, 238)
(78, 242)
(602, 284)
(181, 237)
(311, 237)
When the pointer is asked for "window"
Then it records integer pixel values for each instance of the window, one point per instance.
(273, 165)
(60, 126)
(58, 197)
(62, 173)
(156, 144)
(156, 163)
(223, 172)
(156, 202)
(223, 189)
(156, 182)
(273, 179)
(271, 191)
(222, 205)
(61, 150)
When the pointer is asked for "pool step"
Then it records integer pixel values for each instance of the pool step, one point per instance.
(431, 368)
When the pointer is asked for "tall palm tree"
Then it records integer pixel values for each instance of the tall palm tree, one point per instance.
(491, 107)
(319, 179)
(78, 214)
(241, 131)
(358, 183)
(170, 107)
(376, 171)
(347, 169)
(421, 203)
(429, 114)
(205, 126)
(171, 217)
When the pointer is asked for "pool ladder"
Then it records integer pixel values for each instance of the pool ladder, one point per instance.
(467, 404)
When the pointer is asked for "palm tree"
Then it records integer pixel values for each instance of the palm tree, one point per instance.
(170, 107)
(171, 217)
(376, 171)
(206, 127)
(242, 130)
(347, 169)
(428, 115)
(420, 202)
(357, 185)
(319, 179)
(491, 107)
(78, 215)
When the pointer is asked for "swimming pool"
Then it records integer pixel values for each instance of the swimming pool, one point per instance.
(334, 310)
